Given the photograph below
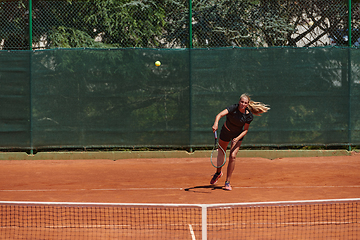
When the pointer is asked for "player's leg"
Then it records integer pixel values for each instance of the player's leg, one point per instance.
(221, 155)
(220, 160)
(231, 164)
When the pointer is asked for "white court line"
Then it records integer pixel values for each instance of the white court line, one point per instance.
(150, 189)
(105, 189)
(354, 186)
(192, 232)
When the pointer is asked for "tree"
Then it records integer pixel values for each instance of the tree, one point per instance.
(165, 23)
(120, 23)
(14, 25)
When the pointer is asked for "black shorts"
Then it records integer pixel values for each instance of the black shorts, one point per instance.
(227, 135)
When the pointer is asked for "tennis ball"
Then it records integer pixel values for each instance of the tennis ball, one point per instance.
(157, 63)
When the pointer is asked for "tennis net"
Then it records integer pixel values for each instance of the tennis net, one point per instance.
(319, 219)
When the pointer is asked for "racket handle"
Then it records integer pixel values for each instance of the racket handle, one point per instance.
(215, 134)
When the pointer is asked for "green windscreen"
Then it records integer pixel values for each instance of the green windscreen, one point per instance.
(15, 99)
(119, 98)
(110, 98)
(307, 89)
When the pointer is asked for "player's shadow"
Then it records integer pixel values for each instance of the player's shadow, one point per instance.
(205, 187)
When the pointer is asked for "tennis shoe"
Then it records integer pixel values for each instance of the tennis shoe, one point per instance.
(216, 177)
(227, 186)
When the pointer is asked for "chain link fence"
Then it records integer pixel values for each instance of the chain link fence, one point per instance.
(102, 65)
(165, 23)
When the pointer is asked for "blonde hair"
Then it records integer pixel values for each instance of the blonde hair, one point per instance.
(256, 108)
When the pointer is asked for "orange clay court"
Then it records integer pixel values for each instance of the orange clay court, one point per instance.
(179, 180)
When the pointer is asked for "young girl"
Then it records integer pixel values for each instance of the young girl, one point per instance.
(236, 126)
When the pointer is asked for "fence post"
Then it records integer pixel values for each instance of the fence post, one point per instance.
(349, 22)
(190, 72)
(190, 24)
(30, 24)
(349, 73)
(349, 96)
(30, 77)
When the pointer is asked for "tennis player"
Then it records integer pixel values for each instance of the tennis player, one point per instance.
(236, 126)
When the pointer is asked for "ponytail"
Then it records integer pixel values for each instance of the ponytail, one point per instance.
(256, 108)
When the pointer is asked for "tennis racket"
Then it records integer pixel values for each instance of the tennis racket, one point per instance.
(218, 154)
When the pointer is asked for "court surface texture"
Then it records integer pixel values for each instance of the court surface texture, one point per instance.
(179, 180)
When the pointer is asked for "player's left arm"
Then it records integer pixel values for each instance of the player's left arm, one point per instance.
(243, 133)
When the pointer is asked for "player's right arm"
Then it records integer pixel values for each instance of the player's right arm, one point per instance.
(217, 119)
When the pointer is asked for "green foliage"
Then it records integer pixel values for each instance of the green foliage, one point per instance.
(71, 38)
(165, 23)
(125, 23)
(12, 24)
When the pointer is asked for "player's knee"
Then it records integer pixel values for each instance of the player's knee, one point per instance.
(232, 157)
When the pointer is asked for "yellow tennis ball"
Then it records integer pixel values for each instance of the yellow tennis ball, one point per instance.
(157, 63)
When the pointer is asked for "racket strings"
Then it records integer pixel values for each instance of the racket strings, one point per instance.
(218, 158)
(218, 155)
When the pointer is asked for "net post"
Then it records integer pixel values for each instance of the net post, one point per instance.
(204, 222)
